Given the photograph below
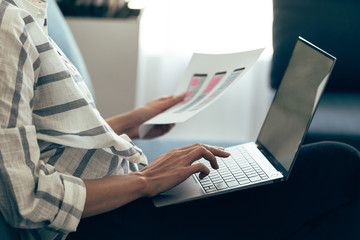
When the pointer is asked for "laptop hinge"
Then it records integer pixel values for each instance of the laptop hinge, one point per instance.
(272, 160)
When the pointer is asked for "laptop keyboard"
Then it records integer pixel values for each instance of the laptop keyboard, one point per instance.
(236, 170)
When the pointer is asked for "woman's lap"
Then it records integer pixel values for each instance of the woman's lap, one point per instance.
(323, 182)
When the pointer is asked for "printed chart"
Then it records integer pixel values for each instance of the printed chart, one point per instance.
(207, 78)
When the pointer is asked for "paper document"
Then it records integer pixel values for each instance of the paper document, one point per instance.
(206, 79)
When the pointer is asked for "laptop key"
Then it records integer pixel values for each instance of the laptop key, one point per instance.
(207, 184)
(254, 179)
(212, 189)
(242, 182)
(232, 184)
(264, 176)
(251, 175)
(221, 185)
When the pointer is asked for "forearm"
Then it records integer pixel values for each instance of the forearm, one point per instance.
(121, 123)
(109, 193)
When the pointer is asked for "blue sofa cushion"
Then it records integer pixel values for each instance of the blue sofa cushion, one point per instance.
(60, 32)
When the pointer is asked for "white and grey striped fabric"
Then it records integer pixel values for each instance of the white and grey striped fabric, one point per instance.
(51, 134)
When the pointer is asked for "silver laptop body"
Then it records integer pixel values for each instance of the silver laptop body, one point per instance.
(273, 154)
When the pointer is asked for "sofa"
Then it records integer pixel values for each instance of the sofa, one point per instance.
(333, 26)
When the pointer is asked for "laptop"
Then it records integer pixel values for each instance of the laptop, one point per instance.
(271, 157)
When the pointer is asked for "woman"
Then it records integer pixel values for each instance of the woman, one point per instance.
(65, 169)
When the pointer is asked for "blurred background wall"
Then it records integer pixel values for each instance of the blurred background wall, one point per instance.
(133, 59)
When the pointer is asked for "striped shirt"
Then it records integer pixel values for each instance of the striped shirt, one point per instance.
(51, 135)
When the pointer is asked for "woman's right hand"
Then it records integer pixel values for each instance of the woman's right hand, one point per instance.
(174, 167)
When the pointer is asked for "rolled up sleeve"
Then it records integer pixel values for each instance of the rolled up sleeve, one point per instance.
(34, 194)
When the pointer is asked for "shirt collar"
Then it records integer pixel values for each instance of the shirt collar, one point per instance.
(37, 9)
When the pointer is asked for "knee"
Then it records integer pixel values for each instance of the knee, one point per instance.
(328, 150)
(329, 158)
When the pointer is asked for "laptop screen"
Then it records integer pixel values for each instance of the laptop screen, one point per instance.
(295, 103)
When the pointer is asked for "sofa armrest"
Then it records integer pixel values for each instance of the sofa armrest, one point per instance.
(60, 32)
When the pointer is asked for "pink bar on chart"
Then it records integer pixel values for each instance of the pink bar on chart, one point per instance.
(188, 93)
(213, 83)
(195, 81)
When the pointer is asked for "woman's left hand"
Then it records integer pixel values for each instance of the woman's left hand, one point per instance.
(130, 122)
